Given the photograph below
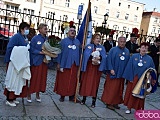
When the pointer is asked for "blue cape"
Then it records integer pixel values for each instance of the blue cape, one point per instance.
(87, 52)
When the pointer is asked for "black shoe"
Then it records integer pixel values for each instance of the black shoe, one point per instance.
(110, 107)
(93, 103)
(72, 99)
(116, 106)
(83, 101)
(61, 99)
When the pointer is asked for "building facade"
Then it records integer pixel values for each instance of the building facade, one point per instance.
(123, 14)
(151, 23)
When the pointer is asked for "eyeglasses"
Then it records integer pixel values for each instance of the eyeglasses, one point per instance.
(72, 30)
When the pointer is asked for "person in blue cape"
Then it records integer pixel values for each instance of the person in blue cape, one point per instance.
(38, 66)
(67, 68)
(116, 62)
(18, 39)
(94, 62)
(137, 65)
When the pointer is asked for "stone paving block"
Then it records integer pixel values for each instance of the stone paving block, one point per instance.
(31, 117)
(72, 118)
(3, 118)
(58, 118)
(38, 110)
(64, 118)
(2, 98)
(105, 113)
(73, 109)
(153, 105)
(11, 111)
(97, 119)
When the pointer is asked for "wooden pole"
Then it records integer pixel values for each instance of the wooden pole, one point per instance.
(83, 44)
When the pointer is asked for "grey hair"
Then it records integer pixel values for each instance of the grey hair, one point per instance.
(122, 38)
(41, 25)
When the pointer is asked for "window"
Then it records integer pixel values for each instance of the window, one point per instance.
(16, 9)
(127, 16)
(8, 6)
(107, 11)
(153, 29)
(33, 1)
(137, 8)
(12, 7)
(117, 15)
(65, 17)
(115, 27)
(19, 10)
(159, 30)
(95, 9)
(128, 6)
(156, 20)
(135, 18)
(124, 28)
(28, 11)
(32, 12)
(52, 1)
(119, 4)
(109, 1)
(24, 10)
(67, 3)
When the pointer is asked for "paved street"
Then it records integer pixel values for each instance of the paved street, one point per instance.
(51, 109)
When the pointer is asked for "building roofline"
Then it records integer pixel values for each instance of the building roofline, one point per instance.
(153, 13)
(136, 2)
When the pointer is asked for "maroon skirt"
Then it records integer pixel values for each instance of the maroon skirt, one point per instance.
(129, 100)
(113, 90)
(38, 78)
(90, 80)
(10, 94)
(66, 81)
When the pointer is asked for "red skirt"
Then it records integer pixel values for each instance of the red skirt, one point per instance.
(90, 80)
(66, 81)
(113, 90)
(129, 100)
(10, 94)
(38, 78)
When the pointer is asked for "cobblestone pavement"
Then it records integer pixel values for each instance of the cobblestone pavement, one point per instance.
(51, 109)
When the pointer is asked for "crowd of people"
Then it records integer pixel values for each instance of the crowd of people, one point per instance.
(126, 61)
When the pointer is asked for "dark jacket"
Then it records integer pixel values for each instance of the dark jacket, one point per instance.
(153, 53)
(131, 47)
(108, 46)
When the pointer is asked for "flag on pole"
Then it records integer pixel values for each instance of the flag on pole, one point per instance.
(82, 31)
(84, 36)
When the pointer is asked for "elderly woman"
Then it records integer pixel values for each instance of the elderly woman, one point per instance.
(38, 67)
(18, 39)
(136, 66)
(94, 60)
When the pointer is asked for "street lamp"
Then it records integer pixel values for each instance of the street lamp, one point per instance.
(104, 30)
(106, 18)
